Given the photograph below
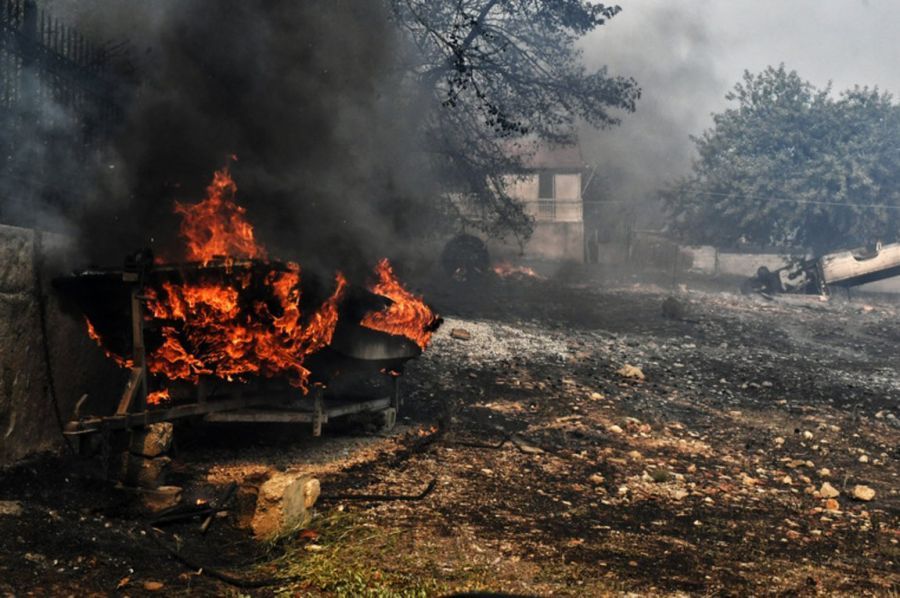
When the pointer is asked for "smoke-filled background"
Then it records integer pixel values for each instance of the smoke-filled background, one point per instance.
(306, 95)
(310, 97)
(687, 55)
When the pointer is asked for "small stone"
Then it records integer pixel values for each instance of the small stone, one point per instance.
(864, 458)
(635, 456)
(679, 494)
(779, 441)
(596, 396)
(153, 586)
(863, 493)
(825, 472)
(828, 491)
(807, 435)
(631, 372)
(596, 479)
(787, 480)
(10, 507)
(461, 334)
(614, 429)
(832, 505)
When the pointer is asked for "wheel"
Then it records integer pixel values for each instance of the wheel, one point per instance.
(465, 257)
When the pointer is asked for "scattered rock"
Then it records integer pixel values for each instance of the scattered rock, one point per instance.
(864, 458)
(597, 479)
(680, 494)
(825, 472)
(828, 491)
(153, 586)
(461, 334)
(10, 507)
(614, 429)
(631, 372)
(863, 493)
(832, 505)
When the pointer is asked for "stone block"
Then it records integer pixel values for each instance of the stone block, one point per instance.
(152, 441)
(147, 473)
(283, 504)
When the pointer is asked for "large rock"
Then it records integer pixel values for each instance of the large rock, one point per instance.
(284, 504)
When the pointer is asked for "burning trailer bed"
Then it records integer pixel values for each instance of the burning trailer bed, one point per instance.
(845, 269)
(356, 370)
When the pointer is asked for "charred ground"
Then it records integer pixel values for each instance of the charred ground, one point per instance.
(555, 472)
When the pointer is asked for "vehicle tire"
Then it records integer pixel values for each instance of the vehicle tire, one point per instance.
(465, 257)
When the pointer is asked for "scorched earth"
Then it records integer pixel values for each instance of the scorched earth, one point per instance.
(581, 444)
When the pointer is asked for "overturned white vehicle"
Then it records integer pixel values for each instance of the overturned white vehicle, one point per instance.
(840, 269)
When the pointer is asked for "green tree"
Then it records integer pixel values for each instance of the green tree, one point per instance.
(493, 73)
(793, 166)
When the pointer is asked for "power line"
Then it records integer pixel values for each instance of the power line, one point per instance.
(798, 201)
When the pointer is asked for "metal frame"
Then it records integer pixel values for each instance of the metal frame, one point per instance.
(239, 406)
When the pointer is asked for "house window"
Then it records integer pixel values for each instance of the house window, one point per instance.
(545, 185)
(546, 196)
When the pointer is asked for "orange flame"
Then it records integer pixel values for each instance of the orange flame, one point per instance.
(216, 226)
(92, 333)
(216, 335)
(508, 270)
(407, 316)
(157, 397)
(233, 324)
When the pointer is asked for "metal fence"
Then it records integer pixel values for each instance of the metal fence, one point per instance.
(57, 106)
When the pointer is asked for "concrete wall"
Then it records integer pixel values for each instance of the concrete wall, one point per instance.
(562, 241)
(706, 260)
(28, 422)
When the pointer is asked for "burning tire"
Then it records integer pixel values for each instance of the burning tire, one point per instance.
(466, 257)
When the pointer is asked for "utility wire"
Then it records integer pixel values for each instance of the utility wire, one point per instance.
(793, 200)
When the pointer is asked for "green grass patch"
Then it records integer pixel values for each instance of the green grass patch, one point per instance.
(352, 557)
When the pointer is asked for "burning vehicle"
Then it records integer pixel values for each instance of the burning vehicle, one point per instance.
(846, 269)
(232, 335)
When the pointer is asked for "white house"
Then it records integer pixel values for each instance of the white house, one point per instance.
(550, 189)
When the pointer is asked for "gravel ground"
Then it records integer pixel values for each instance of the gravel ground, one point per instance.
(581, 443)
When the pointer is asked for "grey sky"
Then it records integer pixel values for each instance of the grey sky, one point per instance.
(687, 54)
